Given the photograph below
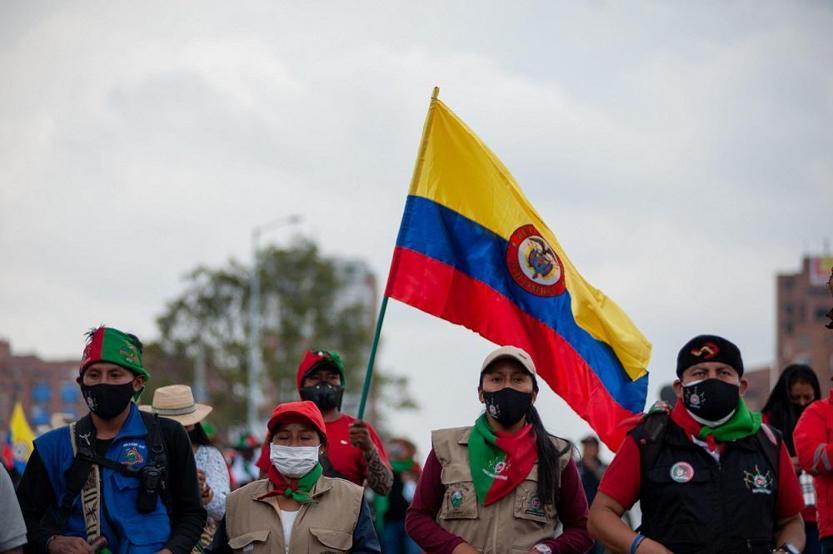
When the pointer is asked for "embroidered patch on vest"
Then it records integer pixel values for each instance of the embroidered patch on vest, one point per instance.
(758, 482)
(682, 472)
(133, 453)
(535, 507)
(457, 499)
(132, 457)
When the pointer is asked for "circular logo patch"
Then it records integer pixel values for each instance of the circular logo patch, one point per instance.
(682, 472)
(533, 264)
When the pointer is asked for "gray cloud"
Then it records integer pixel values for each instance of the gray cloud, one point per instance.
(680, 154)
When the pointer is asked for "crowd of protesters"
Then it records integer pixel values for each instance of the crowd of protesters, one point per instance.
(709, 474)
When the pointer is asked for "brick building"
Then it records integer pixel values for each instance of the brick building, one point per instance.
(802, 300)
(759, 387)
(44, 387)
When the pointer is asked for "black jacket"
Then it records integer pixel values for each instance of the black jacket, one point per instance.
(693, 503)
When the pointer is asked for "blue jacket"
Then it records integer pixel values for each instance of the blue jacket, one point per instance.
(127, 530)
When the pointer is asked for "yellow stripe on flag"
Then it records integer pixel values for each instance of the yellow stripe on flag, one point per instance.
(21, 434)
(457, 170)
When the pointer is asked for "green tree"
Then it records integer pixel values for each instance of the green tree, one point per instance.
(308, 300)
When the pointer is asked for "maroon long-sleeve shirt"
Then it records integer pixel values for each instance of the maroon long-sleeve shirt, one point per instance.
(421, 524)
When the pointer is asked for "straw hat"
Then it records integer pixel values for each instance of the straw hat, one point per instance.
(177, 402)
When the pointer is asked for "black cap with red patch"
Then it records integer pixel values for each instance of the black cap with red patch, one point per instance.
(709, 348)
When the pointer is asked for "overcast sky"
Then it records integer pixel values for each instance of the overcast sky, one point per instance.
(681, 153)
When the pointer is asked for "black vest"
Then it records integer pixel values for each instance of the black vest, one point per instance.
(692, 503)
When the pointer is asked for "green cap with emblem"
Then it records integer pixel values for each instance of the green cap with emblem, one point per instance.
(106, 344)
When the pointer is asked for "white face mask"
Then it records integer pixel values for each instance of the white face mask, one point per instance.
(293, 461)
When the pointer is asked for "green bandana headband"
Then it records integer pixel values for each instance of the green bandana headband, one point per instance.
(106, 344)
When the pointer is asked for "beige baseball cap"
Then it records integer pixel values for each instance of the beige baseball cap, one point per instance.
(511, 352)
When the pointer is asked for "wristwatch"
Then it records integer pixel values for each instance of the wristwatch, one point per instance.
(788, 548)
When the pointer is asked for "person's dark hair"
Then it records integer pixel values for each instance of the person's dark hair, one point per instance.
(135, 341)
(590, 439)
(199, 436)
(780, 411)
(549, 460)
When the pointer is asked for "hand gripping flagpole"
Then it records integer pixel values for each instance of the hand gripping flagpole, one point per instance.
(368, 376)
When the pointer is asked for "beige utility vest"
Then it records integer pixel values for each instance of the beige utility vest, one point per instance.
(324, 525)
(515, 523)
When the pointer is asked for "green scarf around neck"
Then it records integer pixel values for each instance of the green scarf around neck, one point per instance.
(499, 462)
(297, 489)
(400, 466)
(743, 423)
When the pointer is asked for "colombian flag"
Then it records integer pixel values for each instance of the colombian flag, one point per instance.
(472, 250)
(20, 438)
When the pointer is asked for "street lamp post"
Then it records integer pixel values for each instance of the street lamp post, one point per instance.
(255, 362)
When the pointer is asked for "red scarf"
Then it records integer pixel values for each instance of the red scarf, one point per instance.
(298, 489)
(690, 426)
(499, 462)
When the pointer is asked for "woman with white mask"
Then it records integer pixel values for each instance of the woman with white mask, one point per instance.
(296, 508)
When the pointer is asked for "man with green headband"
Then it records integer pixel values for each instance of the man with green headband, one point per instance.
(709, 476)
(117, 480)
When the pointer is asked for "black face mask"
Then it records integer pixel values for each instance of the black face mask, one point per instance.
(711, 401)
(798, 409)
(507, 405)
(107, 401)
(324, 395)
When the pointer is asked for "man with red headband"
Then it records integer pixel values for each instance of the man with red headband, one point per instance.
(355, 451)
(117, 480)
(296, 508)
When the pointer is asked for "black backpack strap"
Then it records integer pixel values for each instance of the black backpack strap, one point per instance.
(158, 457)
(770, 440)
(649, 435)
(82, 436)
(155, 443)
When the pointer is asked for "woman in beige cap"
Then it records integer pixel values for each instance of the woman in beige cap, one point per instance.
(177, 402)
(504, 484)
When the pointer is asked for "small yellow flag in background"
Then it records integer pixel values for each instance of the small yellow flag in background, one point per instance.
(20, 437)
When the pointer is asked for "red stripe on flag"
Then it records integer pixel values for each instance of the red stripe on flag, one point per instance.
(441, 290)
(8, 454)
